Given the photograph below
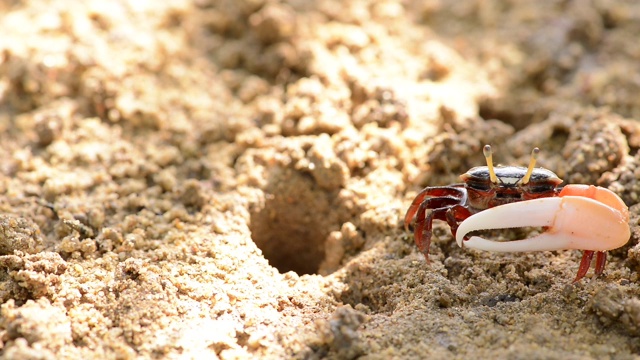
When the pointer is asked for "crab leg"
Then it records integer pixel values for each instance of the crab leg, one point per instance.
(433, 203)
(583, 217)
(585, 263)
(446, 195)
(424, 221)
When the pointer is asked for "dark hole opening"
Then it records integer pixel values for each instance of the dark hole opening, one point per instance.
(292, 227)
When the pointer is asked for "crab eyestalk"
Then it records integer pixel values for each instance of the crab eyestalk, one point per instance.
(487, 154)
(532, 163)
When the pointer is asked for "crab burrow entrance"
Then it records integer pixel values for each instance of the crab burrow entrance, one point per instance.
(295, 220)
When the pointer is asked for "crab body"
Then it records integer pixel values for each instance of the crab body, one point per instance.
(588, 218)
(483, 194)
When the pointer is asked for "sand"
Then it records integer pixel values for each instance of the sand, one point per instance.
(227, 179)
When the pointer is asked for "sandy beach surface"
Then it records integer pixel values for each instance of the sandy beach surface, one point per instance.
(228, 178)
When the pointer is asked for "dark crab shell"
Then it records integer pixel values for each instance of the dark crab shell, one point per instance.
(484, 194)
(511, 175)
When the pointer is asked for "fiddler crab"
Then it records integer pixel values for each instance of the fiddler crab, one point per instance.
(579, 217)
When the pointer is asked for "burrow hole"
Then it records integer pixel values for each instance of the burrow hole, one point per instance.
(292, 226)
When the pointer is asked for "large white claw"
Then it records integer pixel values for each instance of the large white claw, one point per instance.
(574, 222)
